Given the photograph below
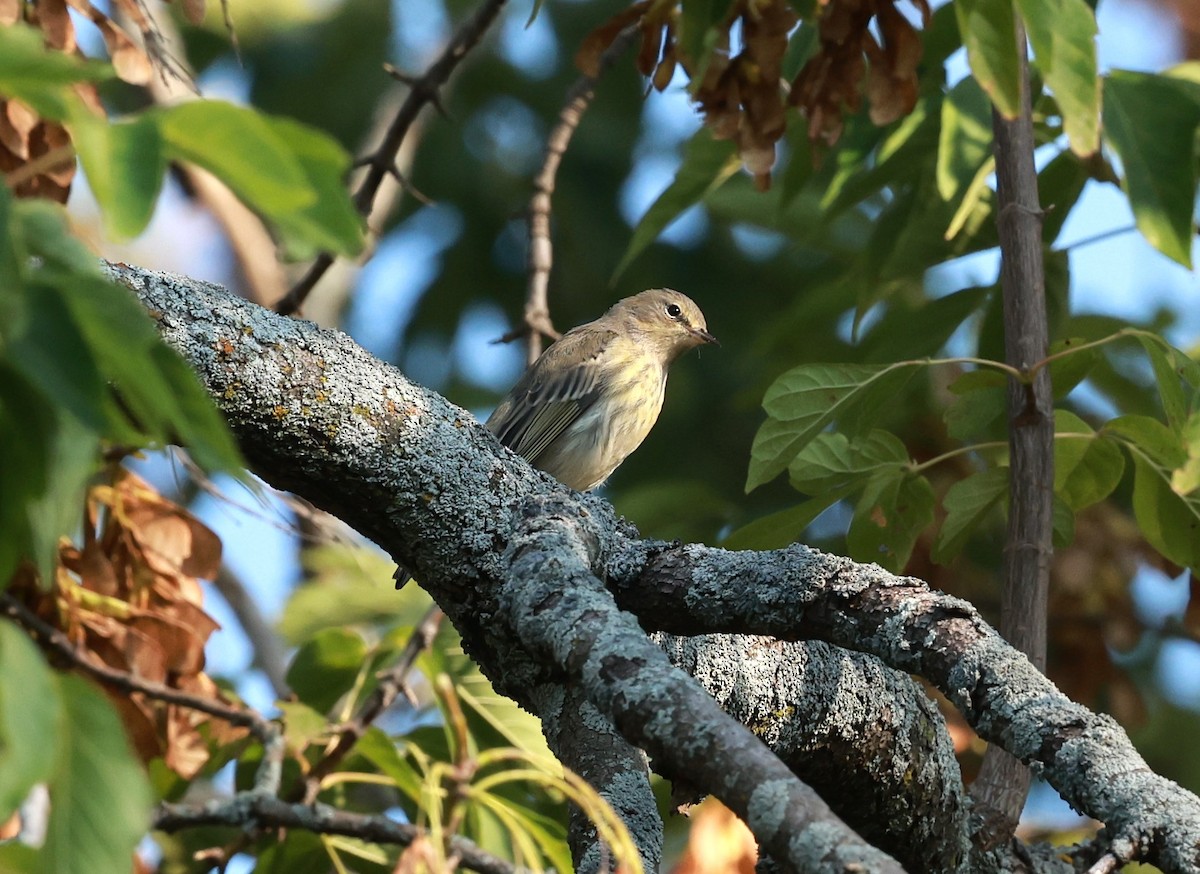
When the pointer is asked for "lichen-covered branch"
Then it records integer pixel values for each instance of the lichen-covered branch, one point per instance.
(318, 415)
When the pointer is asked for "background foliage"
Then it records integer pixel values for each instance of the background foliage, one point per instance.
(871, 252)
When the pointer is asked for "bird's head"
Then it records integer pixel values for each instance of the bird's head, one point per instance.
(664, 318)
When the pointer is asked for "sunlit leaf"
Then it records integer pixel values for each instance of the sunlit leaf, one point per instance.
(832, 461)
(1169, 521)
(988, 32)
(965, 142)
(125, 163)
(326, 667)
(803, 401)
(1063, 36)
(41, 77)
(1151, 123)
(1086, 467)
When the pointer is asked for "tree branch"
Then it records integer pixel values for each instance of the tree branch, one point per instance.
(318, 415)
(422, 90)
(253, 810)
(536, 324)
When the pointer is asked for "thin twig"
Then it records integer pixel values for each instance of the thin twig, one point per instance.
(536, 324)
(392, 683)
(1106, 864)
(423, 90)
(43, 163)
(999, 791)
(254, 810)
(55, 640)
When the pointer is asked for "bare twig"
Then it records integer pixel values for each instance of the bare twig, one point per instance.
(999, 791)
(254, 810)
(423, 90)
(391, 684)
(536, 325)
(56, 641)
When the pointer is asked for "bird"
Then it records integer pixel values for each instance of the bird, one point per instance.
(592, 397)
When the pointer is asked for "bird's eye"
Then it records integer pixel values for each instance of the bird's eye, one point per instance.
(674, 311)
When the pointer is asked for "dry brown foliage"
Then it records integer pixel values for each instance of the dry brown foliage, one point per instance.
(866, 48)
(130, 599)
(28, 139)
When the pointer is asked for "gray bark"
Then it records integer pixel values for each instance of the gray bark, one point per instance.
(516, 561)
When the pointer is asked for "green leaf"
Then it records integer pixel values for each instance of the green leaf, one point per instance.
(52, 354)
(979, 403)
(779, 529)
(124, 162)
(1063, 36)
(330, 223)
(965, 142)
(1151, 123)
(380, 750)
(101, 798)
(1070, 370)
(153, 381)
(348, 586)
(1154, 439)
(894, 509)
(72, 456)
(327, 667)
(41, 77)
(988, 32)
(243, 149)
(1062, 524)
(906, 332)
(30, 717)
(1170, 366)
(1169, 521)
(301, 724)
(967, 503)
(1186, 478)
(1060, 183)
(707, 164)
(806, 399)
(831, 461)
(27, 430)
(1086, 468)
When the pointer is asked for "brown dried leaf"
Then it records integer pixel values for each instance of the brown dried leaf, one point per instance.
(128, 58)
(587, 58)
(52, 18)
(193, 11)
(718, 843)
(11, 11)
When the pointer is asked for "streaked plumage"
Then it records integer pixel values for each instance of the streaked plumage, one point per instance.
(594, 395)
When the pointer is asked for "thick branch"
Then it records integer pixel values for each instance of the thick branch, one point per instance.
(317, 414)
(801, 593)
(562, 612)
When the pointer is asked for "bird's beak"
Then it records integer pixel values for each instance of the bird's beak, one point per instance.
(703, 336)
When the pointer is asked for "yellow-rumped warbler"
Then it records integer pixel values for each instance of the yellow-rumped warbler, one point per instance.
(594, 395)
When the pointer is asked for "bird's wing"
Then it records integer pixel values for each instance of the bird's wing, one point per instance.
(552, 395)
